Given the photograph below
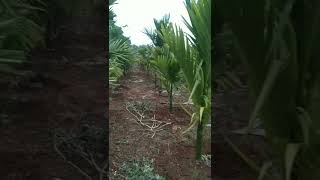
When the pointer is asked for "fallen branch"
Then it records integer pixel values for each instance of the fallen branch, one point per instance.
(69, 162)
(152, 124)
(87, 155)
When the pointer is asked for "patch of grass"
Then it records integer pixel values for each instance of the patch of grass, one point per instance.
(123, 141)
(139, 106)
(139, 170)
(195, 174)
(206, 159)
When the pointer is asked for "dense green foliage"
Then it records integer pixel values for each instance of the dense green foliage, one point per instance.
(120, 58)
(115, 32)
(28, 24)
(144, 53)
(139, 170)
(120, 51)
(281, 55)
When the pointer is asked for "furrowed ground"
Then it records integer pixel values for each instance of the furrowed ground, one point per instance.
(172, 153)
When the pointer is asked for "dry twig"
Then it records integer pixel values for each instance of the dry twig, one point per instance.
(76, 148)
(152, 124)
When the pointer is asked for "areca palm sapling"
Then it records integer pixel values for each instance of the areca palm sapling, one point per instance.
(193, 52)
(163, 60)
(120, 51)
(169, 69)
(155, 37)
(120, 56)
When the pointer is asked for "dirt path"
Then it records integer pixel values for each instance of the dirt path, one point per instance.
(66, 89)
(172, 153)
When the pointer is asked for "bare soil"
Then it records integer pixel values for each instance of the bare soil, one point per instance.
(67, 83)
(173, 153)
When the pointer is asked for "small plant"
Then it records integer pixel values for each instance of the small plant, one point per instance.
(195, 174)
(139, 170)
(206, 159)
(139, 106)
(123, 141)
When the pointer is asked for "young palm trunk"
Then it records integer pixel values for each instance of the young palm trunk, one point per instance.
(50, 33)
(170, 99)
(199, 140)
(160, 85)
(155, 80)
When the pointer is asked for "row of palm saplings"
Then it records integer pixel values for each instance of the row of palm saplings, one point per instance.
(176, 52)
(120, 51)
(278, 41)
(28, 24)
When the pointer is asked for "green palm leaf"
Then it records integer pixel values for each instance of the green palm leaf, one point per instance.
(193, 52)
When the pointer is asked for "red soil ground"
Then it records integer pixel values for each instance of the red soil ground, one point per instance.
(173, 153)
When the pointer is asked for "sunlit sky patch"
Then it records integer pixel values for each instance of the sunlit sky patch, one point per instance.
(136, 15)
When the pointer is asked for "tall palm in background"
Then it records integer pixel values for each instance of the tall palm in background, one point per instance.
(155, 37)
